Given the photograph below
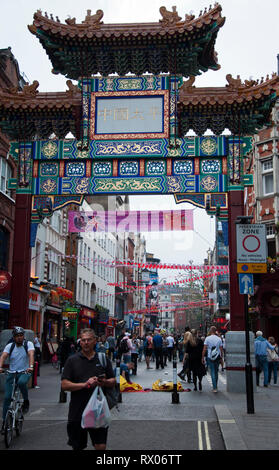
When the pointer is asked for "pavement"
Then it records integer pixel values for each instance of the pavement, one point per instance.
(208, 420)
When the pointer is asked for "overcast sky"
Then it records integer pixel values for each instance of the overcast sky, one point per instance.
(247, 45)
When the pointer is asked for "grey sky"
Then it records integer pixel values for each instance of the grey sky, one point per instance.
(247, 45)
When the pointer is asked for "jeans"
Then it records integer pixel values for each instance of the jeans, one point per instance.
(214, 366)
(126, 358)
(272, 367)
(22, 381)
(261, 364)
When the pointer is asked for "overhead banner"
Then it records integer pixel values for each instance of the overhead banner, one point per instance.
(130, 221)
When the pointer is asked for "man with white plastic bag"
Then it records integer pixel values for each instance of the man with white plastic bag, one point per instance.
(85, 376)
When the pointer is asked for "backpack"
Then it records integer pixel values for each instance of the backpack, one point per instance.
(25, 344)
(111, 394)
(123, 346)
(214, 354)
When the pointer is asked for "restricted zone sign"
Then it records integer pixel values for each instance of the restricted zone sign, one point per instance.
(251, 248)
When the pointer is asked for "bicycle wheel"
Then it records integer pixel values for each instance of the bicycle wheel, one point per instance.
(19, 422)
(8, 429)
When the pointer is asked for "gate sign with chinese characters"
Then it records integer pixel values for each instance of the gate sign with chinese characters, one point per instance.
(251, 247)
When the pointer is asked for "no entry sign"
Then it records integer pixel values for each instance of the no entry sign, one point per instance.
(251, 243)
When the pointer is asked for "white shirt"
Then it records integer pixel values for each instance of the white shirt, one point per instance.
(19, 360)
(170, 341)
(213, 340)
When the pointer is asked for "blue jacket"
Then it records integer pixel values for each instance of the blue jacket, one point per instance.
(261, 346)
(157, 341)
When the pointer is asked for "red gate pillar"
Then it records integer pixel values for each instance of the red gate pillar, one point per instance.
(237, 312)
(21, 262)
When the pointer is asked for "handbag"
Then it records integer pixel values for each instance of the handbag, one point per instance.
(96, 413)
(273, 355)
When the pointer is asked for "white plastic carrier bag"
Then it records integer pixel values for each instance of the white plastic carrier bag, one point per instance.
(96, 413)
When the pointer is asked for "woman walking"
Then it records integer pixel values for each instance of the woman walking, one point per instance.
(185, 370)
(194, 348)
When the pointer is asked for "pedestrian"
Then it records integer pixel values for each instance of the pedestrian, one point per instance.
(185, 368)
(273, 360)
(261, 346)
(124, 370)
(170, 346)
(194, 348)
(127, 356)
(38, 354)
(148, 350)
(65, 351)
(213, 348)
(141, 348)
(165, 349)
(134, 353)
(83, 371)
(111, 346)
(158, 349)
(103, 344)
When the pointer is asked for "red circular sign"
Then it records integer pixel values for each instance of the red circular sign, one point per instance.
(251, 243)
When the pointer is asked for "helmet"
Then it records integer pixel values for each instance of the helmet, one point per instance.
(17, 330)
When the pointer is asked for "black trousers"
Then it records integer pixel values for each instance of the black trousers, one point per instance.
(159, 357)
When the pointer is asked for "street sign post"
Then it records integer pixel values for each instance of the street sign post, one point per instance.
(250, 249)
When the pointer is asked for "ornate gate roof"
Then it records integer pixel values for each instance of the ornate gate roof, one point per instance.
(181, 46)
(240, 107)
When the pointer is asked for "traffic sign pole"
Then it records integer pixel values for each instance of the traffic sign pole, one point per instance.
(248, 365)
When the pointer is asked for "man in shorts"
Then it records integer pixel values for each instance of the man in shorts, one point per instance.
(82, 373)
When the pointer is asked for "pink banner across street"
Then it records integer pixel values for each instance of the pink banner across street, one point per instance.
(131, 221)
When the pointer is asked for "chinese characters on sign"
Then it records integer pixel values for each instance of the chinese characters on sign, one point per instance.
(133, 114)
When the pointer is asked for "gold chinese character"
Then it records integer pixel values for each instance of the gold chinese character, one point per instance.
(121, 114)
(154, 111)
(137, 114)
(105, 113)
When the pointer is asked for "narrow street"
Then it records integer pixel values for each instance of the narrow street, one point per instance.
(143, 421)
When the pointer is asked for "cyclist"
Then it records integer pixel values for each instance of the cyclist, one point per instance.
(21, 357)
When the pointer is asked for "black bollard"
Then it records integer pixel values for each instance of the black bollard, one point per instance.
(175, 394)
(118, 360)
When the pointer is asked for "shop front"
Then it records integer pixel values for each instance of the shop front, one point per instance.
(52, 325)
(70, 322)
(87, 319)
(5, 289)
(35, 306)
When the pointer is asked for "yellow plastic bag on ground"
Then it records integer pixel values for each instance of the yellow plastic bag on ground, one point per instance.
(128, 387)
(164, 385)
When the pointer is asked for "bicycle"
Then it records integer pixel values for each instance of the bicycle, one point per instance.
(14, 417)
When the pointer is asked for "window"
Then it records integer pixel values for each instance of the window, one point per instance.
(270, 230)
(6, 174)
(267, 177)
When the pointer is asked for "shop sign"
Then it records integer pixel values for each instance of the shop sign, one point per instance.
(69, 315)
(34, 301)
(55, 299)
(86, 312)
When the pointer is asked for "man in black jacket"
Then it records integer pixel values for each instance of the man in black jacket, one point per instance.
(82, 373)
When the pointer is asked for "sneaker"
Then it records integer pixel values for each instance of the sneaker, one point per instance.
(215, 390)
(25, 406)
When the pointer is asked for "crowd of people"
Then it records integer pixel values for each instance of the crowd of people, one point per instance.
(82, 368)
